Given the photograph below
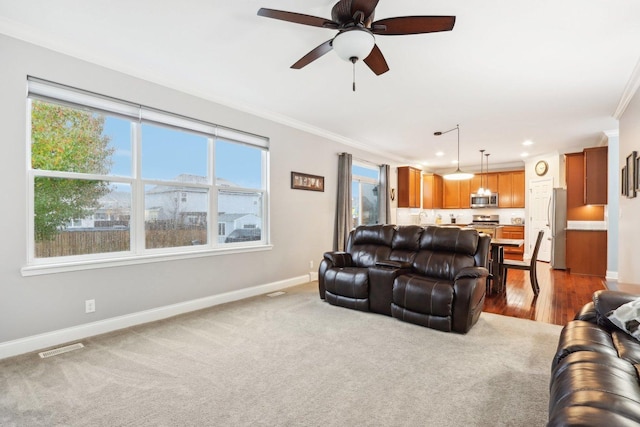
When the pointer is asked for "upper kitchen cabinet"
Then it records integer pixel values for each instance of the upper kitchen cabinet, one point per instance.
(596, 160)
(456, 194)
(431, 191)
(511, 189)
(485, 180)
(577, 209)
(409, 187)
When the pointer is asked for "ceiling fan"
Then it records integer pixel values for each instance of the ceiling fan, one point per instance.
(356, 28)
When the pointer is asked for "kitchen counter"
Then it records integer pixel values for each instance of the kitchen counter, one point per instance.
(587, 225)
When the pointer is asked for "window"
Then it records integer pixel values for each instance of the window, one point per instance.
(364, 193)
(110, 178)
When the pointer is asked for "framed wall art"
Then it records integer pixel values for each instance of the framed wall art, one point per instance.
(624, 182)
(637, 173)
(632, 174)
(304, 181)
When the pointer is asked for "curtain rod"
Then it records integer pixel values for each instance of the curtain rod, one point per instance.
(361, 160)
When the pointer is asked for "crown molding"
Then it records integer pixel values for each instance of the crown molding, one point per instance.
(37, 37)
(607, 135)
(629, 91)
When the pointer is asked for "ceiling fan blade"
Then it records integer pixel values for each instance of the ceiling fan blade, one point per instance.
(313, 55)
(413, 25)
(376, 61)
(297, 18)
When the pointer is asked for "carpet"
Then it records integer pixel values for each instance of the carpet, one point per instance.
(288, 360)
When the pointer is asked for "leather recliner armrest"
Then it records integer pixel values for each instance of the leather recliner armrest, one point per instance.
(605, 301)
(472, 272)
(339, 259)
(393, 264)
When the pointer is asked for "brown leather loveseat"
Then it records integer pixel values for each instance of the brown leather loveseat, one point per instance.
(431, 276)
(595, 372)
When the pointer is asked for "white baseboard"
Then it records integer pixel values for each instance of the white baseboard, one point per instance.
(62, 336)
(313, 276)
(611, 275)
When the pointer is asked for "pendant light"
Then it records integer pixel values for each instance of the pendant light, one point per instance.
(481, 189)
(487, 190)
(458, 175)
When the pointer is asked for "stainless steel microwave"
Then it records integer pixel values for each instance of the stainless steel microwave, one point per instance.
(484, 201)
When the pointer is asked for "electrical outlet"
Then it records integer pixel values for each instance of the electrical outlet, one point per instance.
(311, 264)
(90, 306)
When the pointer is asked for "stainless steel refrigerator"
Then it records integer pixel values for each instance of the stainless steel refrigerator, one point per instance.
(557, 216)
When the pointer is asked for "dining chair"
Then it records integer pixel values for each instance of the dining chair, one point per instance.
(529, 265)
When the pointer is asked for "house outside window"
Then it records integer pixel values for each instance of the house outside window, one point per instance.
(110, 178)
(364, 192)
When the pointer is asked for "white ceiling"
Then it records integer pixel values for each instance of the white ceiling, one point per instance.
(552, 72)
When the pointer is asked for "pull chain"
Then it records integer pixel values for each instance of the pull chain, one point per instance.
(353, 61)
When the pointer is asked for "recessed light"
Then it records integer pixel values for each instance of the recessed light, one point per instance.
(439, 154)
(455, 162)
(527, 143)
(525, 154)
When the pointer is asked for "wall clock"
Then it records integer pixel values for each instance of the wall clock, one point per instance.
(542, 167)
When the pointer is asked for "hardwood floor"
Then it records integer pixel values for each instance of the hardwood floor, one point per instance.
(561, 295)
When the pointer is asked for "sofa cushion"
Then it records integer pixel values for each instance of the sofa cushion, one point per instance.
(423, 294)
(597, 388)
(578, 336)
(450, 239)
(444, 251)
(405, 243)
(627, 318)
(370, 243)
(351, 282)
(373, 235)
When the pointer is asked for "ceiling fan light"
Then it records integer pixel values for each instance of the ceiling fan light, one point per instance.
(356, 43)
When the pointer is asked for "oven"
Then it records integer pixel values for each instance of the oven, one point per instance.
(486, 224)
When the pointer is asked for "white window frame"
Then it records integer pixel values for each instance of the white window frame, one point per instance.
(138, 114)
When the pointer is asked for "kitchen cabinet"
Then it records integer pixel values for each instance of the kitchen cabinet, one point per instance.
(511, 191)
(513, 232)
(456, 194)
(587, 252)
(518, 189)
(508, 185)
(596, 160)
(485, 180)
(450, 194)
(577, 210)
(409, 187)
(432, 191)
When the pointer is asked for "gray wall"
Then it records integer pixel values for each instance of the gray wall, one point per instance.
(629, 209)
(613, 205)
(301, 221)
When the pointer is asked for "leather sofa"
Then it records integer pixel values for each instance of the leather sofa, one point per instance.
(595, 372)
(431, 276)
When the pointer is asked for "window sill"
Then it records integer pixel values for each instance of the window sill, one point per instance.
(63, 267)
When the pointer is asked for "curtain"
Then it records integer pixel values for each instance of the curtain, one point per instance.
(384, 213)
(344, 216)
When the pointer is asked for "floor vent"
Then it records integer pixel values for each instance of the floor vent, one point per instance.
(60, 350)
(276, 294)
